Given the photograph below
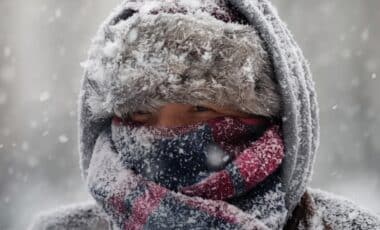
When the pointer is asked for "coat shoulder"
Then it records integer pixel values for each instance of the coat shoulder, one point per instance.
(340, 213)
(84, 216)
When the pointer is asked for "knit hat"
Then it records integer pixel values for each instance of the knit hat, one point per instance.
(180, 54)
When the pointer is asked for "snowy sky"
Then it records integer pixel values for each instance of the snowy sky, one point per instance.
(43, 42)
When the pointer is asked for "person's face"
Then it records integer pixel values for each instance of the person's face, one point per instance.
(173, 114)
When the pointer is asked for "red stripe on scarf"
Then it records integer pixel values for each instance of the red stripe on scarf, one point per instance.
(117, 203)
(254, 165)
(144, 206)
(229, 133)
(266, 154)
(231, 129)
(218, 186)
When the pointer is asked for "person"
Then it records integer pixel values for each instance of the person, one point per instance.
(200, 115)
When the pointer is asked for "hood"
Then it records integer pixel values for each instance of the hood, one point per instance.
(120, 78)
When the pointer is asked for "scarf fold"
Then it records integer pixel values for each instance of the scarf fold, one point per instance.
(229, 196)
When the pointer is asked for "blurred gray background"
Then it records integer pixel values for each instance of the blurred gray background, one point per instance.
(42, 43)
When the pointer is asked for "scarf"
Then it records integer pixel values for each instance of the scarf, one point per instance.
(216, 174)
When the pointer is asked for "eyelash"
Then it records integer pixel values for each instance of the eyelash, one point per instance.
(142, 113)
(199, 108)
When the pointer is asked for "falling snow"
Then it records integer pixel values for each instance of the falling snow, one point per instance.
(3, 98)
(63, 139)
(44, 96)
(7, 51)
(25, 146)
(33, 124)
(39, 86)
(365, 35)
(58, 13)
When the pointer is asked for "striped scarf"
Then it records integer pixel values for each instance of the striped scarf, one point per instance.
(217, 174)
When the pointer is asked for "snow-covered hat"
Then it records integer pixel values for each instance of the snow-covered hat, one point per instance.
(109, 87)
(169, 53)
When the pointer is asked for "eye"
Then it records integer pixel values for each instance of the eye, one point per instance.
(141, 113)
(199, 108)
(141, 116)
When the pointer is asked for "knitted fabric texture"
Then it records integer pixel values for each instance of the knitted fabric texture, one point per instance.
(136, 202)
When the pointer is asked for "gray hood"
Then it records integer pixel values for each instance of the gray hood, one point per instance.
(104, 93)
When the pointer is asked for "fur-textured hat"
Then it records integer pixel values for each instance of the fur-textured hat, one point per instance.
(187, 56)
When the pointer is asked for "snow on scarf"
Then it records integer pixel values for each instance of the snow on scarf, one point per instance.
(163, 178)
